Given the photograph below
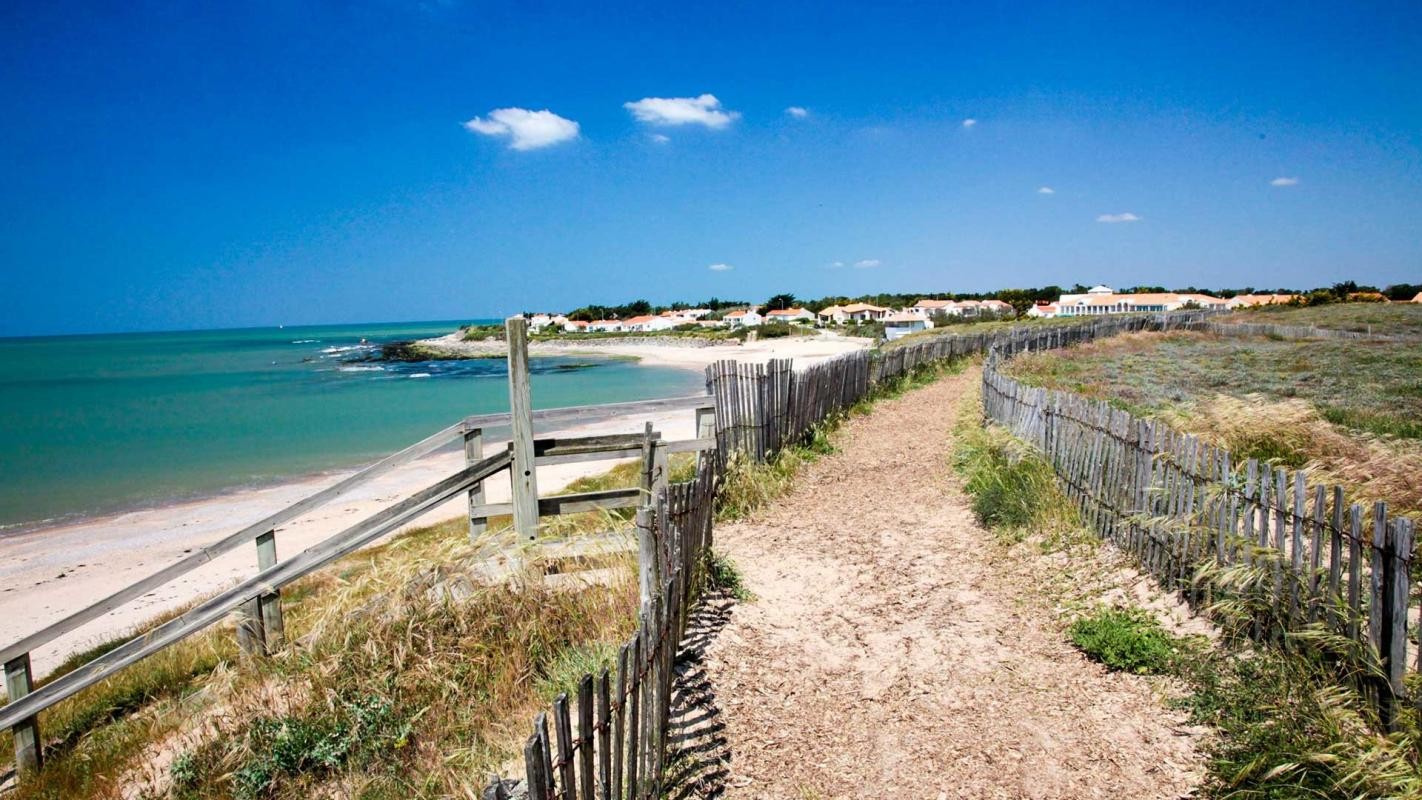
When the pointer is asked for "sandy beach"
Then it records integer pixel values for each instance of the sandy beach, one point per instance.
(671, 352)
(50, 572)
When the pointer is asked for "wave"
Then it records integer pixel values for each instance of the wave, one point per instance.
(306, 341)
(361, 368)
(420, 375)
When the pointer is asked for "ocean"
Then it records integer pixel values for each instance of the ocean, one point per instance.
(97, 424)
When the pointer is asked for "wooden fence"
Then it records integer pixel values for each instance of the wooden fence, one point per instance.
(761, 408)
(610, 739)
(1179, 504)
(1298, 332)
(256, 602)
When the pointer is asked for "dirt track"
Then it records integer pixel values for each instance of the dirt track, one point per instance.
(887, 654)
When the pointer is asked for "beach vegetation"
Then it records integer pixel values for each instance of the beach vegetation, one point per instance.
(1347, 411)
(1286, 720)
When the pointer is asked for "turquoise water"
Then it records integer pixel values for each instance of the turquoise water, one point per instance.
(94, 424)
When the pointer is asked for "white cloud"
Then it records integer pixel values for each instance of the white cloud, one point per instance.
(867, 263)
(1046, 190)
(836, 264)
(969, 122)
(1284, 182)
(704, 110)
(660, 138)
(798, 112)
(1122, 217)
(526, 130)
(720, 267)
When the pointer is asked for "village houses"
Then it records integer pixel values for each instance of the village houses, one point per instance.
(743, 318)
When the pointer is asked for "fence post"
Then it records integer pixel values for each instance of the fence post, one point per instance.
(19, 681)
(522, 471)
(473, 454)
(269, 604)
(1393, 647)
(647, 576)
(706, 429)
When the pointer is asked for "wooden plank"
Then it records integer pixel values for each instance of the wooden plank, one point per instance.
(604, 734)
(218, 606)
(1399, 595)
(19, 682)
(533, 768)
(523, 473)
(269, 604)
(634, 713)
(552, 419)
(563, 728)
(1355, 572)
(208, 552)
(473, 454)
(585, 738)
(619, 716)
(1378, 571)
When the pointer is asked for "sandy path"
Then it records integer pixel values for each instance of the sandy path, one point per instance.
(889, 655)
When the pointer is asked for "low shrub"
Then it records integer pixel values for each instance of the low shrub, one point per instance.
(1124, 639)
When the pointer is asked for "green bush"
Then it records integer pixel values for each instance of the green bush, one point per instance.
(1124, 639)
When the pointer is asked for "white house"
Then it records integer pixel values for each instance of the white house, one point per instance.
(574, 326)
(647, 324)
(746, 318)
(902, 323)
(685, 315)
(834, 315)
(1043, 310)
(863, 312)
(1105, 300)
(927, 308)
(606, 326)
(790, 315)
(538, 322)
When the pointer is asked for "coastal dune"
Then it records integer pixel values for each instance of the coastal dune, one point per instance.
(53, 571)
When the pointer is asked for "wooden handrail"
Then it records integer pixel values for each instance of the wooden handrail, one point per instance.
(217, 607)
(546, 419)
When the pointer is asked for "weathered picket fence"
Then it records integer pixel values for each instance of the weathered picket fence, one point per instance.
(610, 739)
(1298, 332)
(762, 408)
(1179, 504)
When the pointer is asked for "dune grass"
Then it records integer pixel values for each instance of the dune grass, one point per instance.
(1389, 319)
(1289, 719)
(1349, 412)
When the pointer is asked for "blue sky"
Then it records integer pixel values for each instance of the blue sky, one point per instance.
(175, 166)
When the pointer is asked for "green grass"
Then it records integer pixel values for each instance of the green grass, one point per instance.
(1390, 319)
(1125, 640)
(726, 576)
(1288, 719)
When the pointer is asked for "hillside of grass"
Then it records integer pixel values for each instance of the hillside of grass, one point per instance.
(1388, 319)
(1286, 720)
(409, 676)
(1349, 410)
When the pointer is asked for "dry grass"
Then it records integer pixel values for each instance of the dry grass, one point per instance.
(1348, 412)
(394, 687)
(1391, 319)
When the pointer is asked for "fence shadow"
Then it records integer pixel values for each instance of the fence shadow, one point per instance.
(700, 755)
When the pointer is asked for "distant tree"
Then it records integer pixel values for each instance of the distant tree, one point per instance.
(1019, 299)
(637, 308)
(941, 319)
(1402, 291)
(780, 302)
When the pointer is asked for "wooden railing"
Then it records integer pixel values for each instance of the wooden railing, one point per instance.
(257, 600)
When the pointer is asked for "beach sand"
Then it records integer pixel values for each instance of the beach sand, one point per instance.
(50, 572)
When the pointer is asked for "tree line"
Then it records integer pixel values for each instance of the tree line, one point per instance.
(1021, 299)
